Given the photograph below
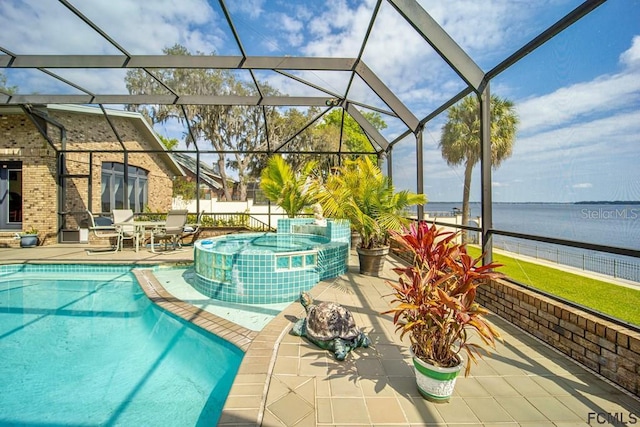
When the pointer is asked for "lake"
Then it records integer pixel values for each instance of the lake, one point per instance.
(616, 225)
(603, 224)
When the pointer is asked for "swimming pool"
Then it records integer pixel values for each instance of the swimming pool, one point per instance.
(83, 345)
(267, 268)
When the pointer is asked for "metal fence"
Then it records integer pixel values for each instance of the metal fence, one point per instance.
(597, 263)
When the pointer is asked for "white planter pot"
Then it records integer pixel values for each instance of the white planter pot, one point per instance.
(435, 383)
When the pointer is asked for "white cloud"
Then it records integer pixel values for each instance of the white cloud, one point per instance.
(139, 27)
(581, 99)
(148, 27)
(289, 24)
(253, 8)
(586, 99)
(581, 139)
(338, 31)
(28, 29)
(631, 57)
(462, 19)
(582, 185)
(97, 81)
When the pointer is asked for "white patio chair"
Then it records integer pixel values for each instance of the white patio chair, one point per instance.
(192, 229)
(103, 228)
(123, 219)
(171, 231)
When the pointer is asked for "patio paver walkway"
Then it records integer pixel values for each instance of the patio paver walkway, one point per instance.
(524, 382)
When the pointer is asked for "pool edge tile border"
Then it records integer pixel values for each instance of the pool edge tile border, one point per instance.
(269, 337)
(253, 370)
(238, 335)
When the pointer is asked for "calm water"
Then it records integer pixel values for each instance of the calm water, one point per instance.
(88, 349)
(611, 225)
(270, 242)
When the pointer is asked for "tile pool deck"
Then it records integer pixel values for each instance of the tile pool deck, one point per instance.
(285, 381)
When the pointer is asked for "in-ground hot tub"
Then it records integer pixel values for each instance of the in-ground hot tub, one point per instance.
(263, 268)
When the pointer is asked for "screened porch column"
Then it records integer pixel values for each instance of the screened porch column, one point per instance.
(419, 169)
(485, 177)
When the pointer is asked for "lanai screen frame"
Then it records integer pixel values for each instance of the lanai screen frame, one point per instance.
(476, 80)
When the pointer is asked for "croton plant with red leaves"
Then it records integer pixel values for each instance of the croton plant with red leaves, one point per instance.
(434, 297)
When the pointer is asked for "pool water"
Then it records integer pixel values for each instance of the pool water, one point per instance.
(89, 348)
(271, 242)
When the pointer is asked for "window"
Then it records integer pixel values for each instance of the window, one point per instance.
(113, 189)
(11, 195)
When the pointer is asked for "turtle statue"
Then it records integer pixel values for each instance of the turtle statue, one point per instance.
(329, 326)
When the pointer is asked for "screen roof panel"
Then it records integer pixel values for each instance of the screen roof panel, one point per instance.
(48, 27)
(386, 55)
(493, 39)
(147, 28)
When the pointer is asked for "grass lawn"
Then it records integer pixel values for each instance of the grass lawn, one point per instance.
(617, 301)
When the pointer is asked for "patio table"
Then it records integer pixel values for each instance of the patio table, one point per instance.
(141, 227)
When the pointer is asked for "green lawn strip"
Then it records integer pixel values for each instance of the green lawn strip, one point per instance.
(617, 301)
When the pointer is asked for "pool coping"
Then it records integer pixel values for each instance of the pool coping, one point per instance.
(238, 335)
(260, 347)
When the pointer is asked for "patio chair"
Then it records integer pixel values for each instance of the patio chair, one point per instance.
(103, 228)
(192, 230)
(171, 231)
(123, 219)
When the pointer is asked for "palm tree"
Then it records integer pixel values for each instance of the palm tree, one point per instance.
(460, 141)
(287, 188)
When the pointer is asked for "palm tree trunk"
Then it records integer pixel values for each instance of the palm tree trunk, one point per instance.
(468, 169)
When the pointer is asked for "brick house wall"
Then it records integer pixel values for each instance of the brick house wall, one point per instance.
(21, 141)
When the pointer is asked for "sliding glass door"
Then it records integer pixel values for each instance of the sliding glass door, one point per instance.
(11, 195)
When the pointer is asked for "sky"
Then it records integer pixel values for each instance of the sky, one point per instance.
(577, 97)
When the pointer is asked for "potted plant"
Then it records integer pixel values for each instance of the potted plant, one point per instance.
(434, 304)
(29, 238)
(360, 192)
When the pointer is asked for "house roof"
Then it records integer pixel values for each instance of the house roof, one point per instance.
(155, 145)
(207, 174)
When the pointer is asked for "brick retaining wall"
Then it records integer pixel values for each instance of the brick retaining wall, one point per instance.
(607, 348)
